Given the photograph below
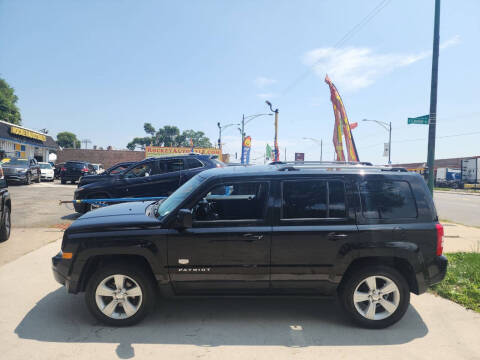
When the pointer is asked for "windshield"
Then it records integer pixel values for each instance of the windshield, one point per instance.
(45, 166)
(22, 162)
(174, 200)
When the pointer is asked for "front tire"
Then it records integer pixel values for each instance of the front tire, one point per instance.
(375, 297)
(28, 180)
(120, 295)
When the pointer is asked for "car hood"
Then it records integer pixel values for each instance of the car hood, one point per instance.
(7, 165)
(130, 215)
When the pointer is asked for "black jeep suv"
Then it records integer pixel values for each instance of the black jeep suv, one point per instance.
(369, 235)
(73, 170)
(114, 170)
(149, 177)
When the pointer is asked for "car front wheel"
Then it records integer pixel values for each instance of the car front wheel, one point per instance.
(120, 295)
(376, 296)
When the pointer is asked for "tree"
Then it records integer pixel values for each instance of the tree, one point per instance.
(8, 109)
(67, 139)
(169, 135)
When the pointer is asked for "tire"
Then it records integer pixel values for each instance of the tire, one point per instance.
(135, 279)
(38, 179)
(398, 299)
(63, 181)
(6, 224)
(72, 182)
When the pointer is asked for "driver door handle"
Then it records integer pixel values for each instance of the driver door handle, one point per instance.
(336, 236)
(252, 237)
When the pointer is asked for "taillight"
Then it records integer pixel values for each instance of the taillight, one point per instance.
(439, 239)
(63, 169)
(85, 169)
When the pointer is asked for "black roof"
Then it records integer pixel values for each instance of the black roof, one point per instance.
(286, 170)
(5, 134)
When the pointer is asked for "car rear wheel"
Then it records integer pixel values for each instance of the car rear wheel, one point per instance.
(6, 224)
(376, 296)
(120, 295)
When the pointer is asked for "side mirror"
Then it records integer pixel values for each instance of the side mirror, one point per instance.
(184, 219)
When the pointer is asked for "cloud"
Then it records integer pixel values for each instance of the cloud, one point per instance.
(353, 68)
(262, 82)
(266, 96)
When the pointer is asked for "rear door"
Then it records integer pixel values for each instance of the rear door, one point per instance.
(193, 166)
(314, 219)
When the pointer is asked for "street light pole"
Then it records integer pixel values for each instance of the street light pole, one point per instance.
(433, 98)
(388, 127)
(220, 127)
(242, 130)
(275, 139)
(318, 142)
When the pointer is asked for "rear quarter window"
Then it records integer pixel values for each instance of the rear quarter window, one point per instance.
(387, 199)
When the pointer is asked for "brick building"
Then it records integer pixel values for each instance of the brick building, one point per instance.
(106, 157)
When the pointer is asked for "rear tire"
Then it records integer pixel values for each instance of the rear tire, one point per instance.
(6, 224)
(128, 303)
(379, 307)
(63, 181)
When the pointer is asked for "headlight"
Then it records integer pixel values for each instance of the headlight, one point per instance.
(21, 170)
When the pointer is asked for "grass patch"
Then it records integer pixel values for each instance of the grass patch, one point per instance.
(462, 283)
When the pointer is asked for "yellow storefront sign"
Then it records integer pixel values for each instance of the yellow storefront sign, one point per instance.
(156, 151)
(27, 133)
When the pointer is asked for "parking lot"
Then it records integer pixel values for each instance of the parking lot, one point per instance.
(41, 321)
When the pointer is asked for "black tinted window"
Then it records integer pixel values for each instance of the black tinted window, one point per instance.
(309, 200)
(193, 163)
(385, 199)
(141, 170)
(241, 201)
(172, 165)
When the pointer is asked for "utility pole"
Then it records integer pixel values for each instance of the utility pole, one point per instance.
(219, 136)
(389, 141)
(275, 139)
(243, 128)
(433, 98)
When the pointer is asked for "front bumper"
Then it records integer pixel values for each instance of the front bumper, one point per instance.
(47, 177)
(16, 177)
(60, 269)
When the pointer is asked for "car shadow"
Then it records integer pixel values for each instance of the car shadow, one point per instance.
(292, 322)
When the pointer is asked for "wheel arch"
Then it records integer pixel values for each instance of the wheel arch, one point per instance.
(402, 265)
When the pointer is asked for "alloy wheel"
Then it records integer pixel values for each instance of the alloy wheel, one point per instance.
(376, 297)
(118, 296)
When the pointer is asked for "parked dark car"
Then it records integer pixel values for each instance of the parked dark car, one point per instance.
(73, 170)
(367, 235)
(114, 170)
(57, 169)
(150, 177)
(5, 208)
(22, 170)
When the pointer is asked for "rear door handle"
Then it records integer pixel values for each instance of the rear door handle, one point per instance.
(336, 236)
(252, 237)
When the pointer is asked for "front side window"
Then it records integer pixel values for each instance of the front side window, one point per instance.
(140, 170)
(387, 199)
(313, 199)
(235, 201)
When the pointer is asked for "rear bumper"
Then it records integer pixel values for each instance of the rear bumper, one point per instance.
(437, 270)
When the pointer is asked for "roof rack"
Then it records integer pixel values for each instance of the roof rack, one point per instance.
(340, 165)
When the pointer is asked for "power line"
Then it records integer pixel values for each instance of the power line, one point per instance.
(374, 12)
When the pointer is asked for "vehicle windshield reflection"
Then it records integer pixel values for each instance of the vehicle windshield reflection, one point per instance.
(171, 203)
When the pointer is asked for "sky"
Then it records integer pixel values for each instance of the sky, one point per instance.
(101, 69)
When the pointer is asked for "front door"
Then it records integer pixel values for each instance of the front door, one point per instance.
(228, 247)
(314, 220)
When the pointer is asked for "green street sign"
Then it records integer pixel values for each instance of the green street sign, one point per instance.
(423, 120)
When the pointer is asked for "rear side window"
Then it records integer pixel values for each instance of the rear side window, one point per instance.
(313, 199)
(193, 163)
(387, 199)
(172, 165)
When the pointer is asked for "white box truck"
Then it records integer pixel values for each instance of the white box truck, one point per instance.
(471, 171)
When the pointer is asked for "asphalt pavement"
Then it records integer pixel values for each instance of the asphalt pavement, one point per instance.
(462, 208)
